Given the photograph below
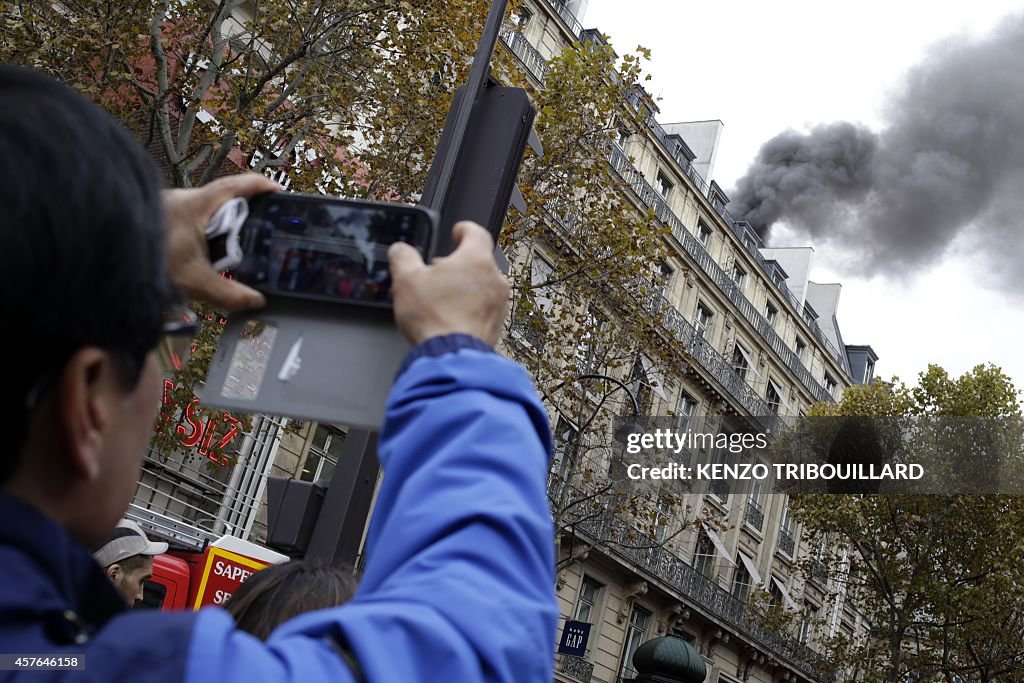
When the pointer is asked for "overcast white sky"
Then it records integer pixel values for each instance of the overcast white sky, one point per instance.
(764, 67)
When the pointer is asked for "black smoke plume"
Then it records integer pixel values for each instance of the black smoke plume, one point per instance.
(949, 163)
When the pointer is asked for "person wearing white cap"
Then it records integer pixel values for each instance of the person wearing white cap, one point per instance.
(127, 557)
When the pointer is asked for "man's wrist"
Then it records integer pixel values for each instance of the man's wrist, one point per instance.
(441, 345)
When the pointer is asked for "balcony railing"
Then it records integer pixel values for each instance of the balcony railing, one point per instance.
(531, 331)
(531, 58)
(708, 595)
(576, 668)
(567, 16)
(787, 543)
(755, 517)
(720, 489)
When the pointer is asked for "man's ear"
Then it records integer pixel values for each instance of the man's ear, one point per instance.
(114, 572)
(88, 390)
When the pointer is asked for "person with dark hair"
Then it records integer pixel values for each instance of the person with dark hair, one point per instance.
(280, 592)
(459, 576)
(127, 558)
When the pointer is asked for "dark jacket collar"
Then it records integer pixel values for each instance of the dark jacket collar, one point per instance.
(55, 575)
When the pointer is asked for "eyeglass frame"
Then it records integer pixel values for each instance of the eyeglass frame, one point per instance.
(179, 322)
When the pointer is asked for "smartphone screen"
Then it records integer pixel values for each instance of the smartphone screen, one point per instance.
(325, 248)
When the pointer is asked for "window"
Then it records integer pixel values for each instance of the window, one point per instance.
(541, 273)
(704, 235)
(563, 439)
(773, 398)
(787, 539)
(635, 635)
(739, 361)
(640, 385)
(685, 409)
(830, 385)
(323, 454)
(801, 350)
(771, 313)
(807, 625)
(586, 603)
(664, 185)
(622, 136)
(661, 277)
(775, 598)
(739, 276)
(721, 488)
(704, 554)
(587, 342)
(819, 568)
(755, 515)
(702, 323)
(663, 514)
(521, 19)
(869, 372)
(741, 581)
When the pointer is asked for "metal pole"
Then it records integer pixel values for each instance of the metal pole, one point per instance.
(339, 526)
(434, 197)
(232, 488)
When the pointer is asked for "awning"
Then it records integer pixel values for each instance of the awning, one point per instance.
(717, 542)
(785, 595)
(654, 377)
(755, 575)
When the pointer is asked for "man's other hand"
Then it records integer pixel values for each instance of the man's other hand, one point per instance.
(187, 213)
(464, 292)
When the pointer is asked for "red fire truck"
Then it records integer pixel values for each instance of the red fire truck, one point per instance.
(196, 571)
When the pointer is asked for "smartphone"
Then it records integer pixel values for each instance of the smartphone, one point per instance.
(328, 249)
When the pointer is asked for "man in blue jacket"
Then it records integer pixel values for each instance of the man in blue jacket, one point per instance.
(458, 585)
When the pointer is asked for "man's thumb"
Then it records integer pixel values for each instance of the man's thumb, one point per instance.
(404, 259)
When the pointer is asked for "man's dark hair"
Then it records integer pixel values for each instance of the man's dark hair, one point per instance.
(81, 258)
(280, 592)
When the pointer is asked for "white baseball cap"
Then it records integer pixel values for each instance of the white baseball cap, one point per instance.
(127, 541)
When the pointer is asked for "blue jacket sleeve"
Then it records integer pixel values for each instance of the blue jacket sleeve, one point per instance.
(459, 580)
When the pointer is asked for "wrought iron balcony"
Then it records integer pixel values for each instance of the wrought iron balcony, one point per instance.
(530, 331)
(755, 517)
(567, 16)
(701, 592)
(576, 668)
(720, 488)
(531, 58)
(787, 543)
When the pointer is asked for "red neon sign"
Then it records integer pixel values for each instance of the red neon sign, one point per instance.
(195, 433)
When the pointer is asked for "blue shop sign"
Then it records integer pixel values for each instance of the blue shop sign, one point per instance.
(574, 638)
